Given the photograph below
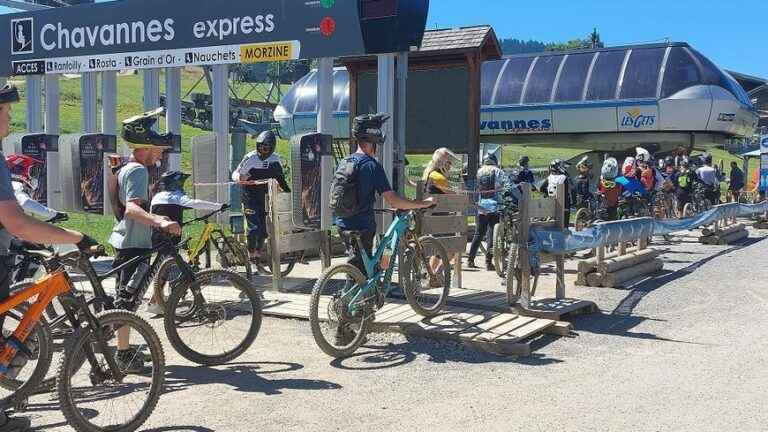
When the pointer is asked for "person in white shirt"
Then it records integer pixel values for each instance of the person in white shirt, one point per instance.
(710, 178)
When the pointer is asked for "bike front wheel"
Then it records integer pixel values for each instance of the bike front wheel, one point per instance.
(336, 330)
(214, 318)
(95, 397)
(425, 275)
(32, 376)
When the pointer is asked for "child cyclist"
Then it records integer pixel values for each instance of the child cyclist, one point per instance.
(609, 188)
(582, 189)
(171, 202)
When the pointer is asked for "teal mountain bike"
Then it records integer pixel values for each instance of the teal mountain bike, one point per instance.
(344, 301)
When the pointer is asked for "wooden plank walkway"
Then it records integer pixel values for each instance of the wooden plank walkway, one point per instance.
(498, 332)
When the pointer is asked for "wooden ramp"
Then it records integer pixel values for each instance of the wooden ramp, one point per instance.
(498, 332)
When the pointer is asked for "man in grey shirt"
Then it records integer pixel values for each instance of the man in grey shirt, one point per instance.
(132, 236)
(14, 223)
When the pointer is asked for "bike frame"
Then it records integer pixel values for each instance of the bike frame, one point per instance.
(399, 226)
(56, 284)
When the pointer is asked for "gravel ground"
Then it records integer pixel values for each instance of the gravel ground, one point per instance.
(684, 351)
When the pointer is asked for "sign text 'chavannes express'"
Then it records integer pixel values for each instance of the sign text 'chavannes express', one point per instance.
(59, 36)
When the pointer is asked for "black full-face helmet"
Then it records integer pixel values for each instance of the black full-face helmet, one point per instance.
(138, 133)
(266, 143)
(173, 181)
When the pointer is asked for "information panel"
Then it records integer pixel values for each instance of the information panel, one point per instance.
(137, 34)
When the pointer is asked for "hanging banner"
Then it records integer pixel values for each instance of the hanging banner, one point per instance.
(36, 146)
(91, 152)
(139, 34)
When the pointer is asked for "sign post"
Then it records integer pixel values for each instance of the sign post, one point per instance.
(763, 184)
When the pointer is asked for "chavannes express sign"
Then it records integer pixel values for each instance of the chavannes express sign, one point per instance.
(166, 33)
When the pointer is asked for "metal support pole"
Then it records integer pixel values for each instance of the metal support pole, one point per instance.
(173, 110)
(385, 103)
(324, 126)
(151, 89)
(89, 90)
(401, 117)
(55, 197)
(220, 95)
(109, 103)
(34, 103)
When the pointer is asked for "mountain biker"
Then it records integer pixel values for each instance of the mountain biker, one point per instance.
(364, 177)
(582, 189)
(649, 175)
(25, 172)
(736, 181)
(15, 223)
(609, 188)
(709, 177)
(558, 175)
(524, 174)
(171, 202)
(260, 164)
(669, 175)
(132, 235)
(685, 181)
(490, 182)
(629, 182)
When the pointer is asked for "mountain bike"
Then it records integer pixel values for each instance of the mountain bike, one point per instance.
(231, 255)
(344, 302)
(633, 206)
(212, 316)
(593, 210)
(699, 202)
(92, 381)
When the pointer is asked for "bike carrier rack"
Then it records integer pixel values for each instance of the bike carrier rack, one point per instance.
(531, 211)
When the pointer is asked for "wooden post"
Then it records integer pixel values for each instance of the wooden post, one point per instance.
(622, 248)
(525, 225)
(561, 224)
(273, 224)
(600, 255)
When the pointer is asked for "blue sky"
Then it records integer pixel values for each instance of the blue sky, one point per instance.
(734, 33)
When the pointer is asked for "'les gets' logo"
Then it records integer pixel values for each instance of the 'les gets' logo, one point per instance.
(635, 118)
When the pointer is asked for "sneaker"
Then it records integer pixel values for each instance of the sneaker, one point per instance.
(471, 264)
(130, 361)
(14, 424)
(490, 267)
(155, 309)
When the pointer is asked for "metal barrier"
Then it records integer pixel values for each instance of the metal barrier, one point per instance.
(284, 238)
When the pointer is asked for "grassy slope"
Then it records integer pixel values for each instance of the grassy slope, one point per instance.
(130, 102)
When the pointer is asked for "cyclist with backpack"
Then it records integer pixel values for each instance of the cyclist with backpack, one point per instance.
(358, 179)
(582, 188)
(171, 202)
(685, 181)
(260, 164)
(490, 183)
(610, 188)
(15, 223)
(128, 187)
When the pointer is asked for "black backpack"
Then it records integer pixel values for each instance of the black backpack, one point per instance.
(344, 200)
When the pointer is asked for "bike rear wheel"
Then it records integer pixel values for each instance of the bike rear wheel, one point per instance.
(500, 247)
(31, 378)
(218, 323)
(287, 263)
(426, 289)
(235, 256)
(92, 398)
(335, 330)
(583, 219)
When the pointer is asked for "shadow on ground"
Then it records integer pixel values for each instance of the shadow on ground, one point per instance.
(376, 357)
(244, 377)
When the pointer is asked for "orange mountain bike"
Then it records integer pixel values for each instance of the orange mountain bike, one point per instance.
(97, 387)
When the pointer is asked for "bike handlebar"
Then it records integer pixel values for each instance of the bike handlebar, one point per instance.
(207, 216)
